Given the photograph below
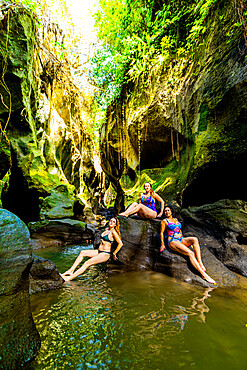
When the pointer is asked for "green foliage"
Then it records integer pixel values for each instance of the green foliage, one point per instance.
(134, 35)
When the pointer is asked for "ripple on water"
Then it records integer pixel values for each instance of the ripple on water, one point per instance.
(137, 320)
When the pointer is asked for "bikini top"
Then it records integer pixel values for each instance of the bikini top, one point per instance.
(148, 202)
(106, 238)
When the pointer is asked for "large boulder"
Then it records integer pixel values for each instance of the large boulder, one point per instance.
(48, 233)
(19, 338)
(222, 227)
(141, 244)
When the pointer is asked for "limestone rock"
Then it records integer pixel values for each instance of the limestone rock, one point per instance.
(44, 275)
(19, 338)
(46, 132)
(184, 126)
(59, 204)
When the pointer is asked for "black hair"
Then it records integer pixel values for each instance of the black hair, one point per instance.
(171, 208)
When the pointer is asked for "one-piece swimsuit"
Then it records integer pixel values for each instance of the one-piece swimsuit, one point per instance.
(148, 202)
(174, 231)
(106, 239)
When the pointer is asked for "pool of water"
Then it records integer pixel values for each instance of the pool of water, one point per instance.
(137, 320)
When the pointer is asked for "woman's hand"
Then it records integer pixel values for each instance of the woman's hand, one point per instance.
(114, 257)
(162, 247)
(160, 214)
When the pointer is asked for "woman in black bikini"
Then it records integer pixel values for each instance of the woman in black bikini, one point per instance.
(179, 244)
(100, 255)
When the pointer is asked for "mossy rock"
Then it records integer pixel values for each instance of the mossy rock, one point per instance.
(59, 204)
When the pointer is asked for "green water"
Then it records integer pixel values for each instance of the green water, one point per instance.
(137, 320)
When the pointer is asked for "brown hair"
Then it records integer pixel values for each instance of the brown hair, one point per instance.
(117, 227)
(151, 190)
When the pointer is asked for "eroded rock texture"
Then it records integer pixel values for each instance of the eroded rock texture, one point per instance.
(48, 233)
(19, 338)
(45, 141)
(185, 126)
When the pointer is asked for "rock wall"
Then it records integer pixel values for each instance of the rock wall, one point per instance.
(184, 126)
(44, 141)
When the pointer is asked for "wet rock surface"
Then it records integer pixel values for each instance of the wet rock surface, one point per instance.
(59, 232)
(19, 338)
(44, 275)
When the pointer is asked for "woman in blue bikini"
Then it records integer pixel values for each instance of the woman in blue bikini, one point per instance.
(146, 207)
(100, 255)
(178, 243)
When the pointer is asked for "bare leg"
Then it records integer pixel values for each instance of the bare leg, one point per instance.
(181, 248)
(129, 210)
(141, 210)
(82, 254)
(99, 258)
(194, 241)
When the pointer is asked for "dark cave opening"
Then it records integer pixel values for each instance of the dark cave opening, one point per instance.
(224, 180)
(19, 199)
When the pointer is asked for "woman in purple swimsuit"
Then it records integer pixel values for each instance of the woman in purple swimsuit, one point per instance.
(97, 255)
(146, 207)
(178, 243)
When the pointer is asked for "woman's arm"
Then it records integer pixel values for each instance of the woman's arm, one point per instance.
(162, 203)
(120, 244)
(162, 230)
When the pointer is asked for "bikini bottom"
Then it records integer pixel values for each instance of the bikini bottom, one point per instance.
(100, 251)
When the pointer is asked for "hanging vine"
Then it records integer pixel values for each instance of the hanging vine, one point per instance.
(4, 70)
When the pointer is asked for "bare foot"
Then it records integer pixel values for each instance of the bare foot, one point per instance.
(123, 214)
(65, 278)
(68, 273)
(209, 279)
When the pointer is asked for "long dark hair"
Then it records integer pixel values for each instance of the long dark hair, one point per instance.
(171, 208)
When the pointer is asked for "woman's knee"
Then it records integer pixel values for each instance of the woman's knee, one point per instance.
(194, 240)
(87, 263)
(190, 254)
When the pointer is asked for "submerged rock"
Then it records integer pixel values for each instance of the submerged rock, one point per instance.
(44, 275)
(141, 244)
(19, 338)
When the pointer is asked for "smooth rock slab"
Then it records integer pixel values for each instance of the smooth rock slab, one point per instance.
(19, 338)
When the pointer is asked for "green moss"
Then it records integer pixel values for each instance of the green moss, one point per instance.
(203, 121)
